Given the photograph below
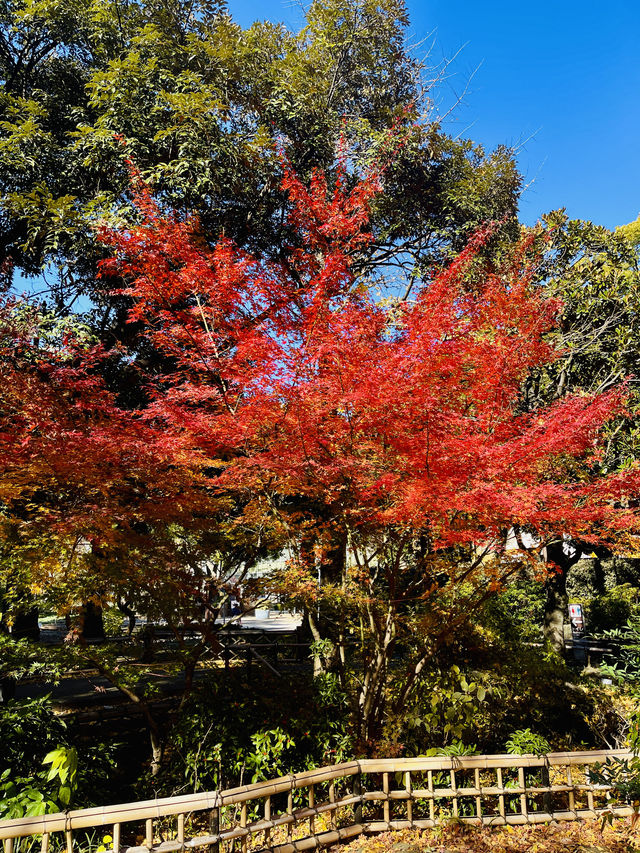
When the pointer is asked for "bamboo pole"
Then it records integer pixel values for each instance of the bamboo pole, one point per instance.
(290, 812)
(432, 805)
(267, 817)
(243, 824)
(500, 782)
(214, 829)
(386, 810)
(452, 774)
(407, 787)
(523, 796)
(148, 835)
(572, 798)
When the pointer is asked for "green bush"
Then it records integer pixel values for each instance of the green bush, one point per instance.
(517, 613)
(613, 609)
(526, 742)
(29, 729)
(231, 732)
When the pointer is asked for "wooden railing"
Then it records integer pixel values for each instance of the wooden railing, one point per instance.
(330, 804)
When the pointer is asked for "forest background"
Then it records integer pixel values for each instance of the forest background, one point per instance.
(101, 515)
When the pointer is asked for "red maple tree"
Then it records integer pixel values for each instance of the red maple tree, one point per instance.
(383, 439)
(366, 427)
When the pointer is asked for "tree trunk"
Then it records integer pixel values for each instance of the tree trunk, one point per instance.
(155, 734)
(7, 688)
(91, 621)
(554, 610)
(157, 750)
(123, 607)
(563, 554)
(373, 690)
(25, 625)
(189, 676)
(319, 663)
(371, 704)
(147, 635)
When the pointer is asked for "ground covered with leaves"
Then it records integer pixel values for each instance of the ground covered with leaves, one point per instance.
(578, 837)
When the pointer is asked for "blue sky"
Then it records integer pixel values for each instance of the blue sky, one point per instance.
(558, 81)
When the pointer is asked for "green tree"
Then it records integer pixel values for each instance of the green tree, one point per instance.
(595, 274)
(199, 102)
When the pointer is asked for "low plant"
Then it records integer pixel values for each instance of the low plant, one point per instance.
(45, 791)
(229, 733)
(526, 742)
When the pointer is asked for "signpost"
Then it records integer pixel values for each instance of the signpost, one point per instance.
(576, 619)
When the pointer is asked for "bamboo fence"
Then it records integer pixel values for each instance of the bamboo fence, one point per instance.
(303, 811)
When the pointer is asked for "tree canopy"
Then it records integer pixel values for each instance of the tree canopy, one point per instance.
(383, 440)
(200, 101)
(315, 328)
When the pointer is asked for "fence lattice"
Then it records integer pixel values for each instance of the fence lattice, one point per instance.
(330, 804)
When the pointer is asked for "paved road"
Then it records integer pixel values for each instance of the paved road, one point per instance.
(281, 622)
(54, 631)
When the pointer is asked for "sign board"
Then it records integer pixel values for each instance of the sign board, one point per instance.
(576, 618)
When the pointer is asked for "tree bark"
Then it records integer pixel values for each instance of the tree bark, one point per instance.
(563, 554)
(123, 607)
(373, 694)
(91, 620)
(554, 610)
(25, 625)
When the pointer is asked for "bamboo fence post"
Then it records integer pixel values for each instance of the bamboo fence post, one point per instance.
(500, 782)
(547, 799)
(312, 805)
(332, 799)
(432, 805)
(116, 838)
(214, 829)
(44, 844)
(243, 824)
(385, 803)
(479, 794)
(8, 845)
(290, 812)
(181, 829)
(267, 816)
(408, 789)
(572, 798)
(452, 774)
(357, 792)
(69, 840)
(148, 834)
(523, 796)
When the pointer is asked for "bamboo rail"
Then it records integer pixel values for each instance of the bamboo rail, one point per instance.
(303, 811)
